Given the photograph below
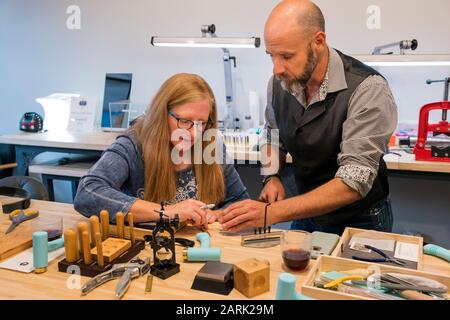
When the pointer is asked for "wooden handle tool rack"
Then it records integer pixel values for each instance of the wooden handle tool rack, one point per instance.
(92, 262)
(94, 269)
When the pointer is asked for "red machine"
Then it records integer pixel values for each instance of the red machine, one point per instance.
(422, 149)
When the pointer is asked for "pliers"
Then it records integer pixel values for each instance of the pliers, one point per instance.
(125, 271)
(19, 216)
(385, 257)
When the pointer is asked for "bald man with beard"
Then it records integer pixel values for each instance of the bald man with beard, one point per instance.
(334, 115)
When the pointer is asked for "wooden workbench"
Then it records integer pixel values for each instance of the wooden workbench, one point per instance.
(398, 161)
(28, 145)
(96, 140)
(52, 284)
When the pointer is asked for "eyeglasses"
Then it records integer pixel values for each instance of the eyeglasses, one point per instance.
(188, 124)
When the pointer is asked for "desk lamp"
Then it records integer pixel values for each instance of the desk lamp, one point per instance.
(209, 39)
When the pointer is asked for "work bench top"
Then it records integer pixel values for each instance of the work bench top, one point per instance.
(56, 285)
(99, 140)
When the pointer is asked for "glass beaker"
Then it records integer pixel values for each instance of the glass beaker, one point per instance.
(296, 249)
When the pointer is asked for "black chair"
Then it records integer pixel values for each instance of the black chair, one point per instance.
(32, 185)
(7, 160)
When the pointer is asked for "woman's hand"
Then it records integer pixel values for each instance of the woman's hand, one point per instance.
(214, 215)
(189, 211)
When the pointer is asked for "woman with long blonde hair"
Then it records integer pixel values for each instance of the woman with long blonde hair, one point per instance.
(155, 161)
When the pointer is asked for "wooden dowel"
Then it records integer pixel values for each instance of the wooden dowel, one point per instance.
(86, 248)
(131, 226)
(120, 223)
(95, 227)
(82, 226)
(98, 240)
(104, 220)
(71, 246)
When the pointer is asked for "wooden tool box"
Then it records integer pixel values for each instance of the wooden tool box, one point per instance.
(329, 263)
(350, 232)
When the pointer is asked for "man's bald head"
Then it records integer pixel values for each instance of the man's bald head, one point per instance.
(301, 14)
(295, 39)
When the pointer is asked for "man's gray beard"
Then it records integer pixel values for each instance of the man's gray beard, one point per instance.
(302, 80)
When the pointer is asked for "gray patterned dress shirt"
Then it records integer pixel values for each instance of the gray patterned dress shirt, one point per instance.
(371, 120)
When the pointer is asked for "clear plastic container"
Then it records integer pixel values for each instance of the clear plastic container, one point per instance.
(53, 225)
(122, 113)
(248, 123)
(296, 249)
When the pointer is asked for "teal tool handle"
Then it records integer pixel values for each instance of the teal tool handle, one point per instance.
(40, 249)
(286, 288)
(205, 241)
(56, 244)
(437, 251)
(204, 254)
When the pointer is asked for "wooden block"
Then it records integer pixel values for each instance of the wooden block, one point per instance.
(17, 241)
(252, 277)
(112, 248)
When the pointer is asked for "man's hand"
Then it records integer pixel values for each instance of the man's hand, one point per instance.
(272, 191)
(190, 211)
(243, 215)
